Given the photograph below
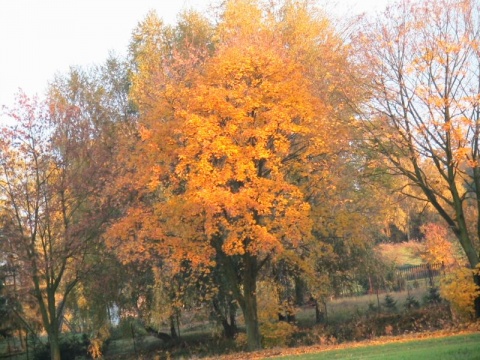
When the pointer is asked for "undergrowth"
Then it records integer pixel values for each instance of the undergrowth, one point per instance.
(359, 327)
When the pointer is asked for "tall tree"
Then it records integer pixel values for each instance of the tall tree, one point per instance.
(422, 60)
(228, 140)
(54, 167)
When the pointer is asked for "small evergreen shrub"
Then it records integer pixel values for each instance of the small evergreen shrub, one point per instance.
(411, 303)
(389, 303)
(372, 308)
(433, 296)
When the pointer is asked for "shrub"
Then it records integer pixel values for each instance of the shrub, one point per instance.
(277, 333)
(433, 296)
(411, 303)
(97, 344)
(389, 303)
(241, 340)
(460, 291)
(71, 347)
(372, 308)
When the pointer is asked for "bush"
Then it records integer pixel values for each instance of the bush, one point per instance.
(368, 327)
(372, 308)
(99, 342)
(433, 296)
(241, 340)
(460, 291)
(411, 303)
(71, 347)
(389, 303)
(277, 333)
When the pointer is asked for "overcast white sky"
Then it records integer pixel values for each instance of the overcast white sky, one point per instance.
(39, 38)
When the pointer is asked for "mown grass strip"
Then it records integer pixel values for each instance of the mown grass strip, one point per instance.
(464, 347)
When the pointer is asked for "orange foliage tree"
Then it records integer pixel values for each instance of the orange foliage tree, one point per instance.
(421, 62)
(438, 248)
(234, 130)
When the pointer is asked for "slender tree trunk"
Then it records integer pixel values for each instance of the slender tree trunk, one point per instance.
(54, 338)
(177, 317)
(233, 323)
(54, 326)
(229, 329)
(173, 331)
(300, 289)
(476, 278)
(54, 341)
(227, 320)
(319, 315)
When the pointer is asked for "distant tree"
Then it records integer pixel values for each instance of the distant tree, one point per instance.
(438, 248)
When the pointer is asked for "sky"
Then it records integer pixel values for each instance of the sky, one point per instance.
(41, 38)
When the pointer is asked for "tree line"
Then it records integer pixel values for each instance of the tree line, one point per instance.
(260, 148)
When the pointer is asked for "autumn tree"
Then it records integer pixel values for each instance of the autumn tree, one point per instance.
(54, 168)
(37, 226)
(98, 98)
(231, 133)
(422, 61)
(437, 246)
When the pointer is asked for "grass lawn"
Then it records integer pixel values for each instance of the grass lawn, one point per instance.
(405, 253)
(342, 309)
(453, 347)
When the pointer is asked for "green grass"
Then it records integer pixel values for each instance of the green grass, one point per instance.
(342, 309)
(464, 347)
(406, 253)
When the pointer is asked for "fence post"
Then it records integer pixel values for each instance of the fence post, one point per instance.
(430, 275)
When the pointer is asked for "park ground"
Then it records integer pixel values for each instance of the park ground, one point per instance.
(439, 345)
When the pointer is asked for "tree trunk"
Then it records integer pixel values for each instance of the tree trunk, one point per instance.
(233, 322)
(54, 341)
(229, 330)
(300, 290)
(226, 319)
(249, 304)
(244, 290)
(461, 232)
(251, 322)
(319, 315)
(173, 331)
(476, 278)
(473, 259)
